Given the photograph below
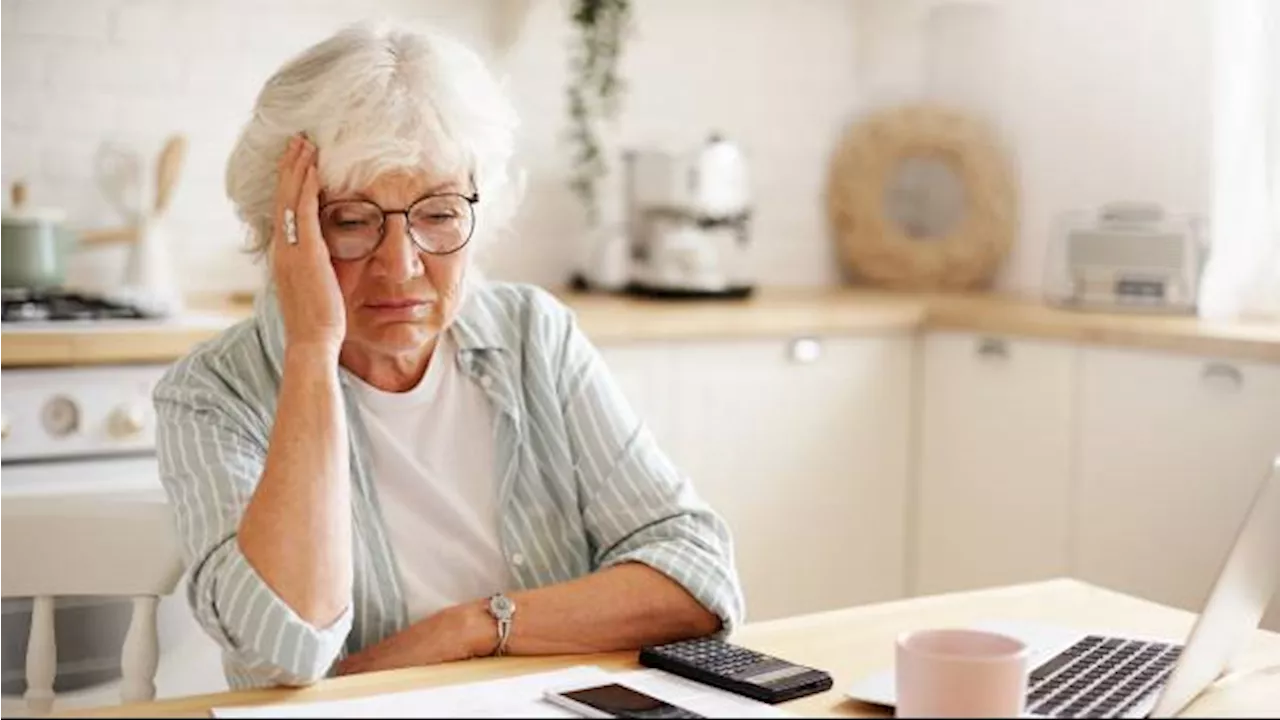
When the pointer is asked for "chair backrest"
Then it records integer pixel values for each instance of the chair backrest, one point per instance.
(121, 545)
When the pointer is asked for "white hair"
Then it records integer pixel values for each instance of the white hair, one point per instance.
(376, 98)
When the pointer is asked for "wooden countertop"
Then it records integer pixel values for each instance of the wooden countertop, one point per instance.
(850, 644)
(773, 312)
(118, 344)
(780, 312)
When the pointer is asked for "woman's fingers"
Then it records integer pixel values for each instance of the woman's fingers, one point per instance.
(286, 187)
(308, 208)
(310, 298)
(286, 184)
(296, 172)
(290, 149)
(305, 155)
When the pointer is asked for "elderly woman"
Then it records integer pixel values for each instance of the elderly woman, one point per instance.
(394, 462)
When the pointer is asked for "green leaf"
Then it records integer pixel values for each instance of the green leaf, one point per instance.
(595, 88)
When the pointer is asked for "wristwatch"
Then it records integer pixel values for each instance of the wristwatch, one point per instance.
(503, 609)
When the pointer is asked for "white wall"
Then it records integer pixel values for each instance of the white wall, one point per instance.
(777, 76)
(1106, 100)
(1099, 99)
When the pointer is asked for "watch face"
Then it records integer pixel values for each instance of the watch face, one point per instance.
(501, 606)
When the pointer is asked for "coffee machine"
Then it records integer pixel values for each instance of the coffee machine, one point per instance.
(688, 222)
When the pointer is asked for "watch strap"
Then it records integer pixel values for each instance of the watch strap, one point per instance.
(504, 634)
(503, 610)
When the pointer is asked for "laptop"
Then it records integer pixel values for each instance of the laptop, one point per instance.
(1094, 674)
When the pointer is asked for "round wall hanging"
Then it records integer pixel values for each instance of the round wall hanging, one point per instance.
(922, 198)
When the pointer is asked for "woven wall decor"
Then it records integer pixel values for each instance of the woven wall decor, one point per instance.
(922, 198)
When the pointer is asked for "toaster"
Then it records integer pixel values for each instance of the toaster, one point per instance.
(1128, 257)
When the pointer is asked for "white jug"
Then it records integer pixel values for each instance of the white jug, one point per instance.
(719, 182)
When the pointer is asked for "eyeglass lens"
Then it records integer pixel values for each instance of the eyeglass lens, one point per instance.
(438, 224)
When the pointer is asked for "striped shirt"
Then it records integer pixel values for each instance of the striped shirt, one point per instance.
(582, 485)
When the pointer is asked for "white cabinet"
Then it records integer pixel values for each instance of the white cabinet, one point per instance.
(995, 462)
(1172, 449)
(857, 469)
(801, 444)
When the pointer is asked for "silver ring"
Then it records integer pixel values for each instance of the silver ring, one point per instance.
(290, 227)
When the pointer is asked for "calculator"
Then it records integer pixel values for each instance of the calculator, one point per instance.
(736, 669)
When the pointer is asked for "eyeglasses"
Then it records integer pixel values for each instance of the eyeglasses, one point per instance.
(437, 224)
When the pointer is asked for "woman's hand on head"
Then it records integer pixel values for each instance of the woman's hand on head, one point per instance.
(310, 300)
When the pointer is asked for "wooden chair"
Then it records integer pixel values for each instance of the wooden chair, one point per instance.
(121, 545)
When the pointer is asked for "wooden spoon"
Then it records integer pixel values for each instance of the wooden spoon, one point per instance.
(167, 169)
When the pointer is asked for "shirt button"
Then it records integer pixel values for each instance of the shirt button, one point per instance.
(486, 381)
(517, 559)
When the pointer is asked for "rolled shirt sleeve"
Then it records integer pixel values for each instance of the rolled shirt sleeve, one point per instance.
(211, 456)
(637, 505)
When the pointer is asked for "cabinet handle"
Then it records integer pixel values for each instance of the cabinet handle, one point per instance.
(1223, 376)
(990, 347)
(805, 350)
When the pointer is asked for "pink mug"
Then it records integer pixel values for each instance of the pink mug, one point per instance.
(960, 673)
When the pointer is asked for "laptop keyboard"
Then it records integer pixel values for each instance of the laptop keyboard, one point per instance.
(1100, 677)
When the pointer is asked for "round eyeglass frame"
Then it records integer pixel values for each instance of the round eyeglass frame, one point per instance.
(472, 200)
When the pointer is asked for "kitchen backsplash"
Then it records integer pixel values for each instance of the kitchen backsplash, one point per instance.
(78, 73)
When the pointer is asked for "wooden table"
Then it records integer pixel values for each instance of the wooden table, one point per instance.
(848, 643)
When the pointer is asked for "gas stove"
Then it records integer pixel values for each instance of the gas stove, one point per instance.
(59, 419)
(86, 428)
(22, 305)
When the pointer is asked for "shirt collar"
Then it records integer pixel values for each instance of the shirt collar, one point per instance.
(475, 327)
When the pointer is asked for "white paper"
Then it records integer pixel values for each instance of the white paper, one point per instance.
(515, 697)
(510, 697)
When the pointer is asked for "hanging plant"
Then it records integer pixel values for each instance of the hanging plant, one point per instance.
(595, 89)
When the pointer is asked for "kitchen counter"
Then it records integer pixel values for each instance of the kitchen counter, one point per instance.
(609, 319)
(112, 342)
(773, 312)
(821, 311)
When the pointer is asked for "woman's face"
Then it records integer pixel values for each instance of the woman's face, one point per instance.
(399, 298)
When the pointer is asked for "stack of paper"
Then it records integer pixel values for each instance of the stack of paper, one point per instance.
(515, 697)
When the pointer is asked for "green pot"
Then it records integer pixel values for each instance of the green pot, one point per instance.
(34, 250)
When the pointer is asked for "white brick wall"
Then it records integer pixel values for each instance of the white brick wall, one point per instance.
(78, 73)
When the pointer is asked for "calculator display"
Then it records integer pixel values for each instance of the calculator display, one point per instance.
(768, 676)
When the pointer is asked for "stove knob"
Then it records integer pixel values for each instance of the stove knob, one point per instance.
(61, 416)
(128, 421)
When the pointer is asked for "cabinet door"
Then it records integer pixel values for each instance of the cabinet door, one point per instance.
(802, 445)
(995, 466)
(1172, 450)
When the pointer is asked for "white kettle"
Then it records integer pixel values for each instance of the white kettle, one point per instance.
(719, 186)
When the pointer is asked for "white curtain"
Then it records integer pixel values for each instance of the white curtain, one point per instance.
(1243, 275)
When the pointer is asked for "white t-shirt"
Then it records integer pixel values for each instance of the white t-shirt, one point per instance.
(433, 469)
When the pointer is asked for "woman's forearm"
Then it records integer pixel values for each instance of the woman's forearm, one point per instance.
(622, 608)
(296, 530)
